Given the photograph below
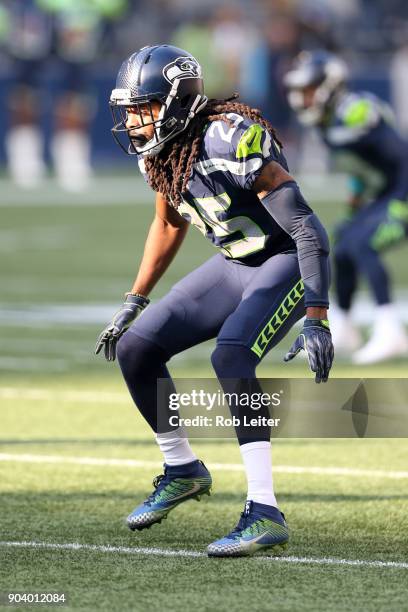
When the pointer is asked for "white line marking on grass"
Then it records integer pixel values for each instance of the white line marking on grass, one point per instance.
(167, 552)
(102, 191)
(91, 313)
(333, 561)
(93, 461)
(223, 467)
(41, 238)
(34, 364)
(36, 315)
(339, 471)
(92, 397)
(137, 550)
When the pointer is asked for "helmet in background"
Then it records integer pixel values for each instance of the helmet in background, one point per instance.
(322, 73)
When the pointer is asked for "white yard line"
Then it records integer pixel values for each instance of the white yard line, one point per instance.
(80, 314)
(130, 189)
(222, 467)
(68, 357)
(91, 397)
(38, 238)
(103, 191)
(167, 552)
(34, 364)
(63, 346)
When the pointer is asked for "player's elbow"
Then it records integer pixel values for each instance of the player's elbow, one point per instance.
(310, 235)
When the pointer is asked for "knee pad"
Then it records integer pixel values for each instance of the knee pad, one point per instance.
(138, 355)
(126, 346)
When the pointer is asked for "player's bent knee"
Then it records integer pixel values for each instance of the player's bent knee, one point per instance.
(233, 361)
(126, 347)
(136, 355)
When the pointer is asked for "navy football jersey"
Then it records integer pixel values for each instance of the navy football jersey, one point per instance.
(365, 144)
(219, 200)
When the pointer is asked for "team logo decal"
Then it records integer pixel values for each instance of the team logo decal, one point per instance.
(182, 68)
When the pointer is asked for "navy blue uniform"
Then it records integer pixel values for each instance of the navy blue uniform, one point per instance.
(365, 144)
(220, 202)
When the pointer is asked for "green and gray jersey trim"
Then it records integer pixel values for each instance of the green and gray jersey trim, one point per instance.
(392, 230)
(250, 142)
(287, 306)
(249, 149)
(240, 168)
(358, 113)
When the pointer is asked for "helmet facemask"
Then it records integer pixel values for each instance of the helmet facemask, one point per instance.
(175, 114)
(310, 114)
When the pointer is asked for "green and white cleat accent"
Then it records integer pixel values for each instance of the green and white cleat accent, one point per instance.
(177, 485)
(260, 528)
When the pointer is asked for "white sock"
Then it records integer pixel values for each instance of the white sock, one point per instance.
(175, 447)
(258, 468)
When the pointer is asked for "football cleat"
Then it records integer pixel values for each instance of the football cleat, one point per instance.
(177, 485)
(389, 339)
(381, 349)
(346, 336)
(260, 528)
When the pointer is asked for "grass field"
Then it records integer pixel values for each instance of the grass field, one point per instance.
(75, 457)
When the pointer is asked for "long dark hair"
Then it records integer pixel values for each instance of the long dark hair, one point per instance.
(169, 171)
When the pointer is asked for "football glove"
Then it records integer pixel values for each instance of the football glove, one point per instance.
(315, 339)
(122, 320)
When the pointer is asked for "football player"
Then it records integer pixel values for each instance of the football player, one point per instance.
(218, 165)
(359, 131)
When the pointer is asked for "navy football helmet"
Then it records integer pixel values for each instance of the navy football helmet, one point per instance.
(163, 74)
(321, 70)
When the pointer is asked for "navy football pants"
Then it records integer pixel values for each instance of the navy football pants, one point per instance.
(359, 244)
(248, 309)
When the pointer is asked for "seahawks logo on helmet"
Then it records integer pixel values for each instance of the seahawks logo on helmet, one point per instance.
(182, 68)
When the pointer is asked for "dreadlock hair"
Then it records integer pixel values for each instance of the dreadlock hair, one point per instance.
(169, 171)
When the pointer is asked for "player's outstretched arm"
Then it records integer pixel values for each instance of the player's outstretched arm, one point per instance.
(281, 197)
(164, 239)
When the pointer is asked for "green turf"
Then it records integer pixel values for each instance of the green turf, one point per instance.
(85, 255)
(330, 515)
(88, 254)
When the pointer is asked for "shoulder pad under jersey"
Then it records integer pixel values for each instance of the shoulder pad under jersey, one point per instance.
(240, 148)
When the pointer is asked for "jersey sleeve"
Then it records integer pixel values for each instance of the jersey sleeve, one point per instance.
(361, 112)
(367, 126)
(241, 150)
(253, 147)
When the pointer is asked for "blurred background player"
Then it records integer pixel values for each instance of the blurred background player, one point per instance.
(359, 130)
(70, 33)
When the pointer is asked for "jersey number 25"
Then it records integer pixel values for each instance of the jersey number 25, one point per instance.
(205, 215)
